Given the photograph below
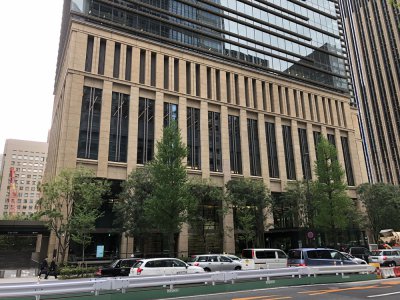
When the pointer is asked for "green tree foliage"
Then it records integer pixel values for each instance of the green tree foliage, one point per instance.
(207, 211)
(249, 199)
(297, 204)
(136, 190)
(168, 206)
(333, 206)
(395, 3)
(70, 205)
(382, 205)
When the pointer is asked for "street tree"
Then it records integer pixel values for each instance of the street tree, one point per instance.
(333, 206)
(132, 220)
(70, 205)
(298, 205)
(206, 214)
(382, 206)
(168, 206)
(249, 200)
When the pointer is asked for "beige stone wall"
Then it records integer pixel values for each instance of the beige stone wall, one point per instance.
(292, 103)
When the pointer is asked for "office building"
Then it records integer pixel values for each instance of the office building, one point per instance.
(22, 171)
(373, 38)
(252, 85)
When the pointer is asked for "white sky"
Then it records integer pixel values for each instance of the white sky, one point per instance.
(29, 34)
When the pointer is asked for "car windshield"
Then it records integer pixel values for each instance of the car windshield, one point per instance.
(137, 264)
(192, 259)
(233, 257)
(113, 264)
(376, 253)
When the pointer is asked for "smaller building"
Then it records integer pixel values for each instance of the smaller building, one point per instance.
(21, 171)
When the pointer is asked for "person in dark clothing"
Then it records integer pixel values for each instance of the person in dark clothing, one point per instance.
(44, 268)
(53, 269)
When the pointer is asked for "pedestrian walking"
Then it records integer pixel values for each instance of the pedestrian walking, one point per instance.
(44, 268)
(52, 269)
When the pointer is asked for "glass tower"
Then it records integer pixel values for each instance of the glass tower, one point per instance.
(295, 39)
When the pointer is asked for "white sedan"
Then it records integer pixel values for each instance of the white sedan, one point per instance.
(355, 259)
(163, 266)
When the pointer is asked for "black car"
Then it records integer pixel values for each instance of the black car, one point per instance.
(119, 267)
(360, 252)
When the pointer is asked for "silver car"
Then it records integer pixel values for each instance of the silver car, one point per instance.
(215, 262)
(385, 257)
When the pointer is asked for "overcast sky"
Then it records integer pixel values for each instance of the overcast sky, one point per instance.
(29, 32)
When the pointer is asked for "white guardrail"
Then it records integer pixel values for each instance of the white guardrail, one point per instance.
(96, 285)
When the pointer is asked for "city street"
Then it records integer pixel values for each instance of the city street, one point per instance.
(388, 289)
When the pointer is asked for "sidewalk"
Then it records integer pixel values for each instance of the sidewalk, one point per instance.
(26, 275)
(30, 279)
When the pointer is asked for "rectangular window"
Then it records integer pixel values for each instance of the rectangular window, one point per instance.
(254, 147)
(246, 91)
(209, 84)
(305, 154)
(271, 97)
(331, 139)
(228, 87)
(153, 68)
(188, 78)
(234, 145)
(237, 94)
(198, 80)
(170, 113)
(214, 138)
(347, 160)
(102, 56)
(255, 100)
(288, 147)
(271, 149)
(264, 95)
(193, 137)
(117, 57)
(166, 72)
(89, 54)
(119, 125)
(218, 85)
(128, 63)
(176, 75)
(316, 136)
(89, 130)
(142, 68)
(145, 149)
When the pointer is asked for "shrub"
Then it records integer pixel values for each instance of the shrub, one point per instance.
(69, 272)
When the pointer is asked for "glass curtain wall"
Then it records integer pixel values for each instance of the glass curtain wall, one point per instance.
(298, 39)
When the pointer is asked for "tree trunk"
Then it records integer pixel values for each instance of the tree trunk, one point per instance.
(171, 244)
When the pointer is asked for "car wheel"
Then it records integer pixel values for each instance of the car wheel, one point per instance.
(237, 268)
(207, 270)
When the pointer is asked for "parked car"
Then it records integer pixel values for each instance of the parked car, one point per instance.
(233, 257)
(119, 267)
(355, 259)
(215, 262)
(317, 257)
(163, 266)
(266, 258)
(360, 252)
(385, 257)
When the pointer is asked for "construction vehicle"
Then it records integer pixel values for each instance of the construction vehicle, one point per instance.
(389, 236)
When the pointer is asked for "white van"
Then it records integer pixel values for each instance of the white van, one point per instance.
(266, 258)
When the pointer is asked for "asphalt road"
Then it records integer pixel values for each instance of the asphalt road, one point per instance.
(385, 289)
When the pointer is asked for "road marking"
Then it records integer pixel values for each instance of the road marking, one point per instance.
(265, 297)
(390, 282)
(255, 297)
(354, 288)
(383, 295)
